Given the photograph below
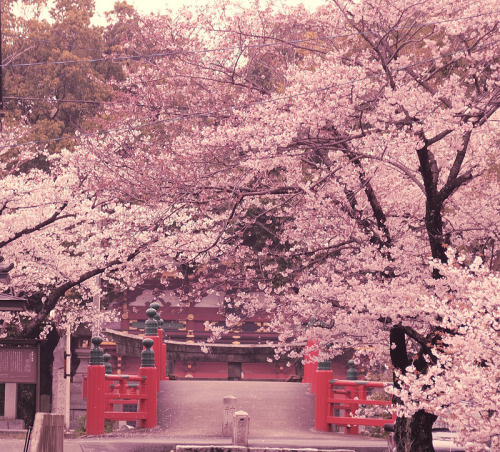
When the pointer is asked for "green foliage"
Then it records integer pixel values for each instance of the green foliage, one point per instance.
(81, 430)
(56, 99)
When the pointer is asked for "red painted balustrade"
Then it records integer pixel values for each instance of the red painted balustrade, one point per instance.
(335, 396)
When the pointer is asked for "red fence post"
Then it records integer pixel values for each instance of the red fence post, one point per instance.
(161, 353)
(324, 374)
(96, 388)
(164, 353)
(108, 406)
(149, 388)
(352, 392)
(151, 332)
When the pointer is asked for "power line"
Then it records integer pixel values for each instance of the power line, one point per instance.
(47, 41)
(49, 100)
(76, 101)
(239, 107)
(72, 101)
(225, 49)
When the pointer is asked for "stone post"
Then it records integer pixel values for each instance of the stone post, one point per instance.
(58, 380)
(241, 428)
(228, 415)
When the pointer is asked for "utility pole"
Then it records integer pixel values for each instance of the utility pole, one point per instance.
(67, 378)
(2, 114)
(96, 328)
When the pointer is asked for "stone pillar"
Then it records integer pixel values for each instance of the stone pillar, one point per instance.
(58, 381)
(228, 415)
(241, 428)
(78, 405)
(10, 406)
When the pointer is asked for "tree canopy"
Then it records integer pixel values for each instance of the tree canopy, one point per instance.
(335, 169)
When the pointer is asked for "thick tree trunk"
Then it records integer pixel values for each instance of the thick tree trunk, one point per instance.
(47, 348)
(414, 434)
(411, 434)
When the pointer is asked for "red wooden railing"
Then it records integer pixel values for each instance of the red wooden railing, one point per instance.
(103, 390)
(142, 395)
(346, 395)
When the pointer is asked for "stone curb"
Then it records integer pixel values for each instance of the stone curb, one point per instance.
(187, 448)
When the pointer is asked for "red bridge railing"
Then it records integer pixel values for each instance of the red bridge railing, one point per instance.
(349, 396)
(104, 390)
(334, 396)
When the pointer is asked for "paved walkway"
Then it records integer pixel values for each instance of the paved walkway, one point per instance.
(152, 443)
(190, 412)
(195, 408)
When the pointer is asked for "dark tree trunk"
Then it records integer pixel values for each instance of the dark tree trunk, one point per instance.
(414, 434)
(410, 434)
(46, 359)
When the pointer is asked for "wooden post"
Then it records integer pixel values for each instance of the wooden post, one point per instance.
(149, 388)
(164, 353)
(310, 366)
(151, 332)
(323, 376)
(161, 352)
(96, 387)
(48, 433)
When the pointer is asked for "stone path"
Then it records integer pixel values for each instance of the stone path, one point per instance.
(191, 412)
(195, 408)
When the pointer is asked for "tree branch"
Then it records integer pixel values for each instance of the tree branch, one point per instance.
(38, 227)
(32, 328)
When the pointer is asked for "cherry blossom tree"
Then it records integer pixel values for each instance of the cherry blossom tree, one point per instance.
(57, 237)
(335, 169)
(342, 178)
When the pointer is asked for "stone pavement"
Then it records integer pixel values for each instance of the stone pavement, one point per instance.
(195, 407)
(147, 443)
(191, 412)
